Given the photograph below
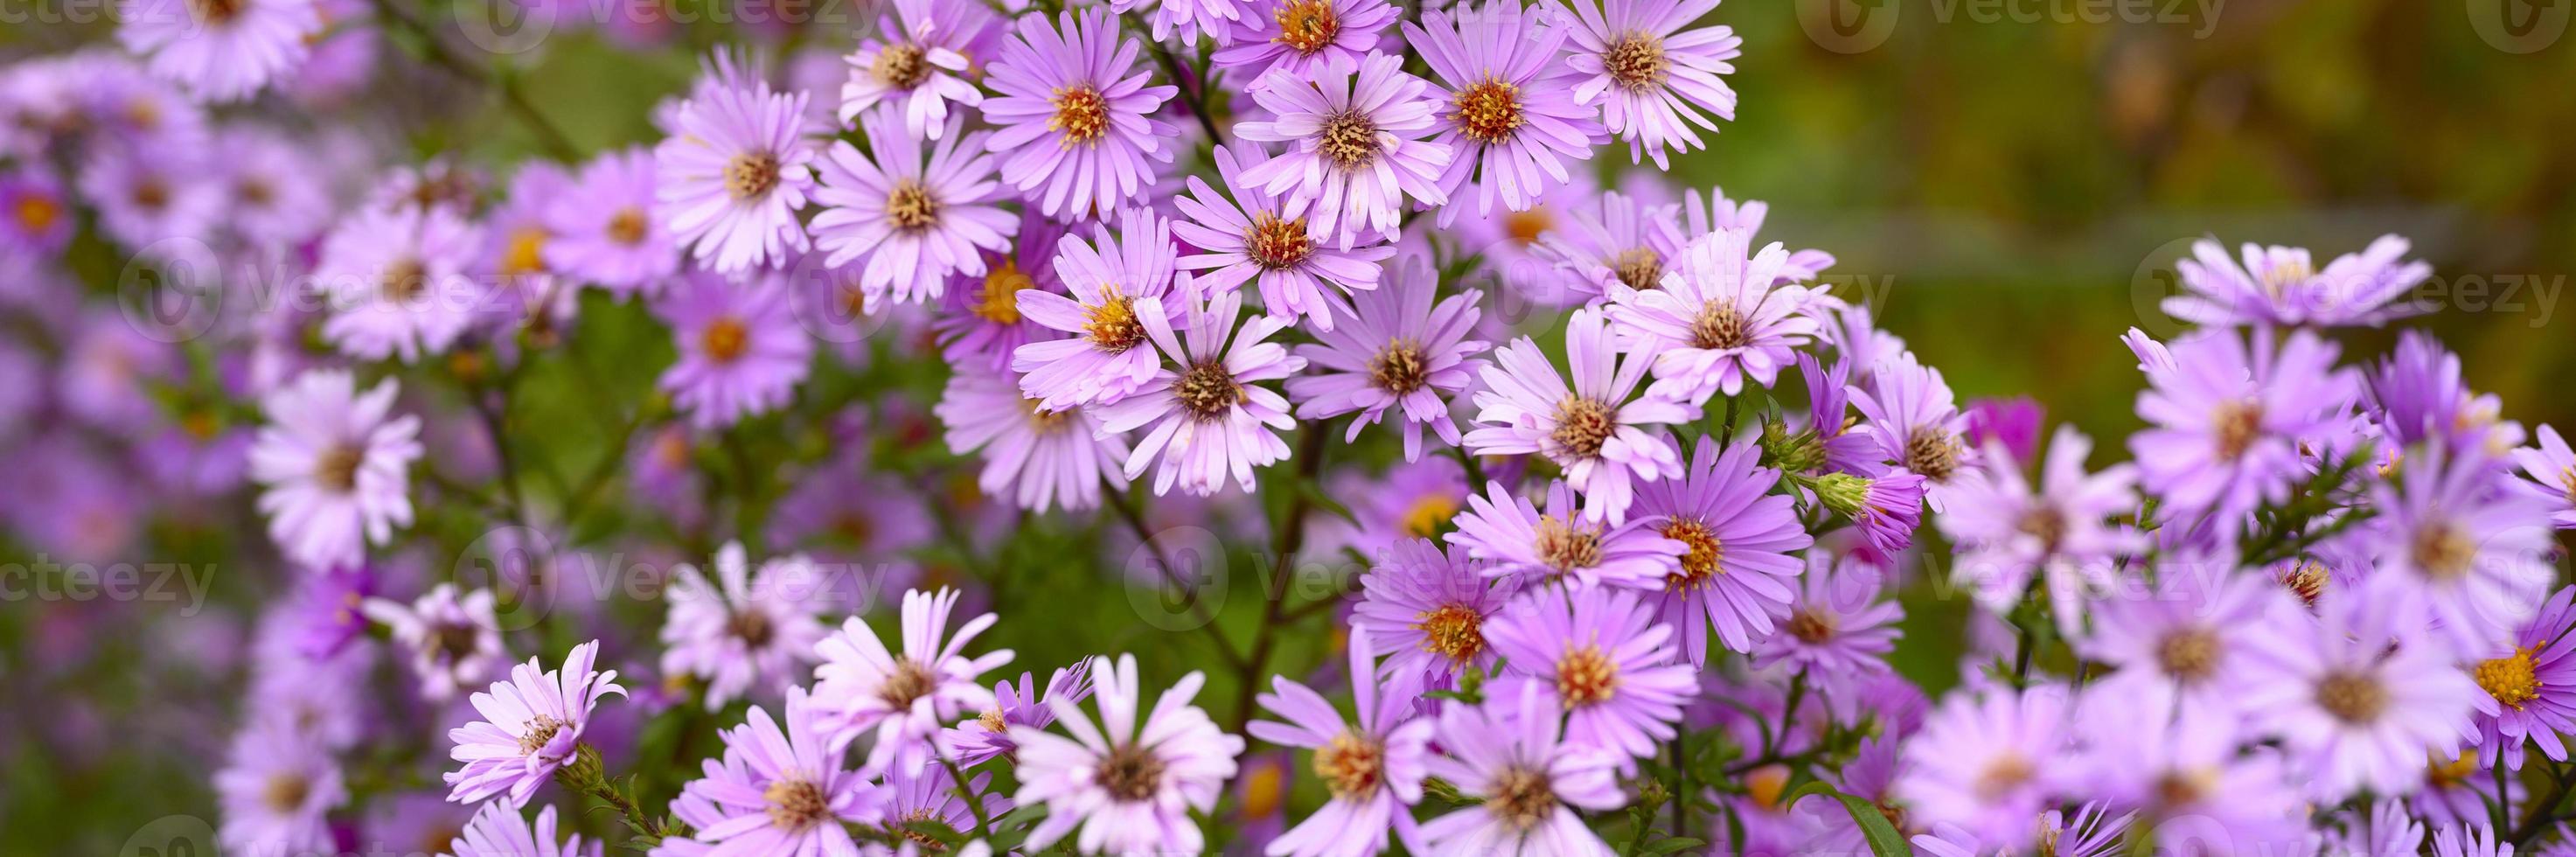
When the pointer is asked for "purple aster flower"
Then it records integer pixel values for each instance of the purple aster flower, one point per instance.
(926, 793)
(2006, 530)
(1428, 607)
(604, 228)
(1400, 352)
(2380, 827)
(275, 198)
(738, 630)
(1915, 420)
(1721, 214)
(454, 641)
(530, 727)
(1355, 146)
(275, 789)
(222, 50)
(2552, 468)
(1716, 322)
(844, 509)
(2471, 560)
(1592, 430)
(1614, 239)
(2282, 286)
(1185, 18)
(2355, 709)
(1648, 74)
(1980, 762)
(2530, 694)
(904, 697)
(1600, 655)
(1837, 630)
(1129, 787)
(2086, 834)
(2417, 395)
(1372, 765)
(1301, 39)
(1208, 418)
(1259, 240)
(1510, 752)
(2190, 640)
(35, 215)
(2013, 423)
(2228, 422)
(146, 197)
(1075, 116)
(2457, 791)
(397, 283)
(1037, 457)
(979, 321)
(917, 62)
(906, 222)
(734, 171)
(1412, 500)
(1511, 112)
(742, 351)
(2181, 768)
(989, 734)
(335, 467)
(1739, 538)
(1118, 286)
(500, 831)
(784, 790)
(2470, 840)
(1526, 545)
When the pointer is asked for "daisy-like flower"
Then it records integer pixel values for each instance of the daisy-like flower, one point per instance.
(500, 831)
(1119, 286)
(1411, 500)
(2006, 530)
(742, 351)
(1299, 38)
(782, 790)
(1520, 542)
(905, 222)
(1128, 786)
(454, 642)
(336, 469)
(274, 197)
(2473, 562)
(2470, 840)
(1255, 239)
(605, 231)
(989, 734)
(1592, 429)
(144, 199)
(734, 171)
(1600, 654)
(2417, 395)
(221, 50)
(2087, 833)
(1205, 415)
(1356, 149)
(1039, 458)
(1718, 321)
(1915, 420)
(1616, 240)
(906, 697)
(2182, 769)
(2353, 711)
(2190, 642)
(2282, 286)
(926, 793)
(2228, 421)
(1428, 607)
(739, 629)
(1075, 116)
(1980, 761)
(1399, 352)
(1837, 630)
(1185, 18)
(917, 62)
(1736, 573)
(35, 214)
(1372, 765)
(2530, 694)
(1512, 753)
(276, 789)
(396, 281)
(1510, 109)
(979, 321)
(2552, 468)
(531, 725)
(1649, 74)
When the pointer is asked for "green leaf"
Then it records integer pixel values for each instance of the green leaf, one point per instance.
(1884, 841)
(1677, 843)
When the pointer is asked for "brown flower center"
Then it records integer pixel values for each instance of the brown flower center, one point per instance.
(2238, 423)
(902, 66)
(1207, 390)
(1130, 773)
(1306, 26)
(403, 279)
(2002, 776)
(910, 207)
(1489, 111)
(2307, 579)
(1112, 325)
(2352, 698)
(751, 175)
(752, 627)
(1453, 631)
(2442, 551)
(628, 226)
(1081, 115)
(1351, 765)
(1811, 626)
(1719, 327)
(1349, 138)
(1526, 226)
(795, 804)
(1522, 798)
(1639, 268)
(1704, 560)
(2189, 653)
(909, 682)
(535, 733)
(1566, 545)
(38, 213)
(286, 791)
(1932, 453)
(2511, 680)
(1399, 368)
(2044, 523)
(215, 11)
(336, 469)
(453, 641)
(725, 339)
(1582, 426)
(1635, 62)
(1277, 244)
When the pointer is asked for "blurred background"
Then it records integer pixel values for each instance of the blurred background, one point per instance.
(2009, 183)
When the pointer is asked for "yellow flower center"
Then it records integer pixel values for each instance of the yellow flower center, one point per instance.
(1081, 115)
(2510, 680)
